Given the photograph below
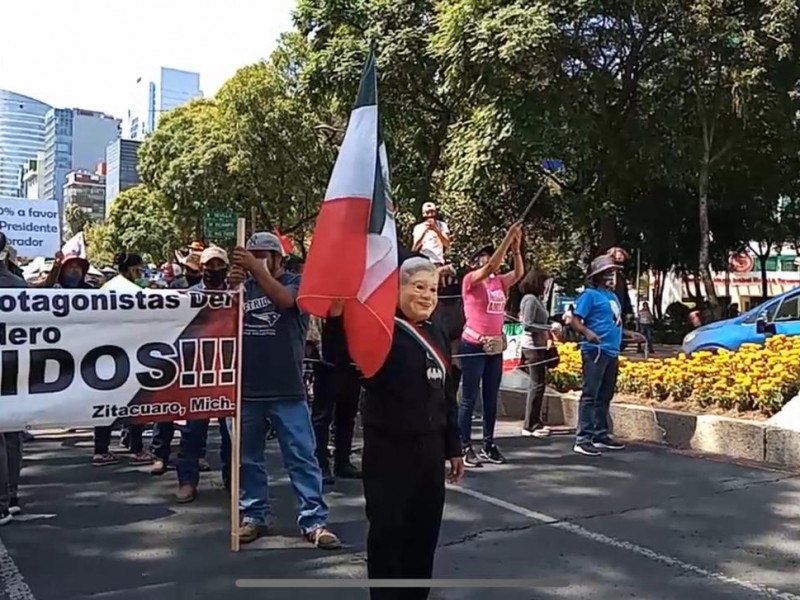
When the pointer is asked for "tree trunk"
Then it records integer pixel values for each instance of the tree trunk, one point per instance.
(762, 260)
(704, 258)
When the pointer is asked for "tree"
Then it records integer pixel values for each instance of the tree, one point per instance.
(720, 84)
(280, 163)
(76, 219)
(140, 221)
(416, 108)
(186, 160)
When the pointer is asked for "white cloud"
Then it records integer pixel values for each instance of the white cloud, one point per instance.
(89, 53)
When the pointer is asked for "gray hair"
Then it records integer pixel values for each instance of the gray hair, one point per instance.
(412, 266)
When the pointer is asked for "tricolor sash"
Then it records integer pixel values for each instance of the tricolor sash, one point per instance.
(419, 336)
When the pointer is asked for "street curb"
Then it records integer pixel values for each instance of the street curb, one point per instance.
(709, 434)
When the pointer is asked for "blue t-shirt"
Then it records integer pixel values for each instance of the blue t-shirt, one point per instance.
(600, 311)
(274, 344)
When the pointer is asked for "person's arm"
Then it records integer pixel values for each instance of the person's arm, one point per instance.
(419, 233)
(444, 234)
(281, 296)
(582, 309)
(334, 340)
(52, 276)
(493, 264)
(509, 279)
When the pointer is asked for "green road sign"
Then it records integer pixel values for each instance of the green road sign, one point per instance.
(220, 226)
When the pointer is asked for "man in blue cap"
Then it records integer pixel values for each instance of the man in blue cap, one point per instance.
(273, 390)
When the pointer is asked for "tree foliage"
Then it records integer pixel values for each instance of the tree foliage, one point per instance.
(140, 220)
(676, 123)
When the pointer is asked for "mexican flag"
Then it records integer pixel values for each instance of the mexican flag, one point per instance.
(353, 254)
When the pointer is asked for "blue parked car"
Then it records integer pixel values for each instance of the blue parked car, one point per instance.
(779, 316)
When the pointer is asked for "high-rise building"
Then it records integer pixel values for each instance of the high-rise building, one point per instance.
(75, 139)
(21, 137)
(30, 178)
(170, 89)
(86, 191)
(122, 158)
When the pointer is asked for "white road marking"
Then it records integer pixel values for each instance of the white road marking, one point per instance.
(33, 517)
(14, 585)
(600, 538)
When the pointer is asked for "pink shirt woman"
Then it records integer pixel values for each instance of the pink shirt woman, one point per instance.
(484, 293)
(484, 305)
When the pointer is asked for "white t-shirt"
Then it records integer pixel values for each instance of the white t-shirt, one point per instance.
(432, 246)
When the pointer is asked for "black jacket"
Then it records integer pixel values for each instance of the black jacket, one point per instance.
(400, 399)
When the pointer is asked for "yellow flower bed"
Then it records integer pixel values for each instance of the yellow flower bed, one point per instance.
(753, 378)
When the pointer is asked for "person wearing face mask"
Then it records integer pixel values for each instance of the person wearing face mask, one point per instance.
(598, 318)
(191, 456)
(482, 343)
(72, 273)
(130, 279)
(193, 269)
(410, 418)
(273, 389)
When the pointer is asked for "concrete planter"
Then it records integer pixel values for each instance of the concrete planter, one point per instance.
(736, 438)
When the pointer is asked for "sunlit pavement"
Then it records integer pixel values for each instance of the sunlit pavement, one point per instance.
(644, 523)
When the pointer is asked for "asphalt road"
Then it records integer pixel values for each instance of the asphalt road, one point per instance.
(645, 523)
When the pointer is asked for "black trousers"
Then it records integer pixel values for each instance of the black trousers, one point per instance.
(336, 395)
(404, 490)
(537, 373)
(102, 438)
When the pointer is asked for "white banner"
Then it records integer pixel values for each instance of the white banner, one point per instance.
(32, 227)
(77, 358)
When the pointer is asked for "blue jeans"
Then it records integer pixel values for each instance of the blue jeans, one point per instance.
(161, 442)
(479, 371)
(599, 382)
(292, 421)
(192, 449)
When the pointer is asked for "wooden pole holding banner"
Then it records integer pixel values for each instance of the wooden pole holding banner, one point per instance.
(236, 438)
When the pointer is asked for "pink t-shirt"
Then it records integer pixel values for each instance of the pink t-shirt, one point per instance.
(484, 306)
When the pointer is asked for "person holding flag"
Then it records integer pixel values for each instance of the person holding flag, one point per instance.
(410, 418)
(380, 319)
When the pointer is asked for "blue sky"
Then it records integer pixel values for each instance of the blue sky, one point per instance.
(89, 53)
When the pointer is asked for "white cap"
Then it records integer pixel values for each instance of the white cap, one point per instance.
(428, 206)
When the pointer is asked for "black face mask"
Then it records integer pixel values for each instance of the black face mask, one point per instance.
(215, 278)
(193, 277)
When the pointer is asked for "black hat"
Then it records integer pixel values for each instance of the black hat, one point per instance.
(488, 249)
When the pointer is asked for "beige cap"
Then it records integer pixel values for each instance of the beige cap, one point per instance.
(213, 252)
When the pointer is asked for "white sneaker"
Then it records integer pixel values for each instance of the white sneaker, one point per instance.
(6, 517)
(542, 432)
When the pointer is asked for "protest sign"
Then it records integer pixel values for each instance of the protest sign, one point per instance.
(77, 358)
(31, 226)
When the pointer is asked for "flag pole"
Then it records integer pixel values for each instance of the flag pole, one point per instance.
(236, 440)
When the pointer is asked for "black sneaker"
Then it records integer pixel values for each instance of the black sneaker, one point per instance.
(346, 471)
(606, 443)
(587, 449)
(493, 455)
(5, 517)
(13, 506)
(471, 459)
